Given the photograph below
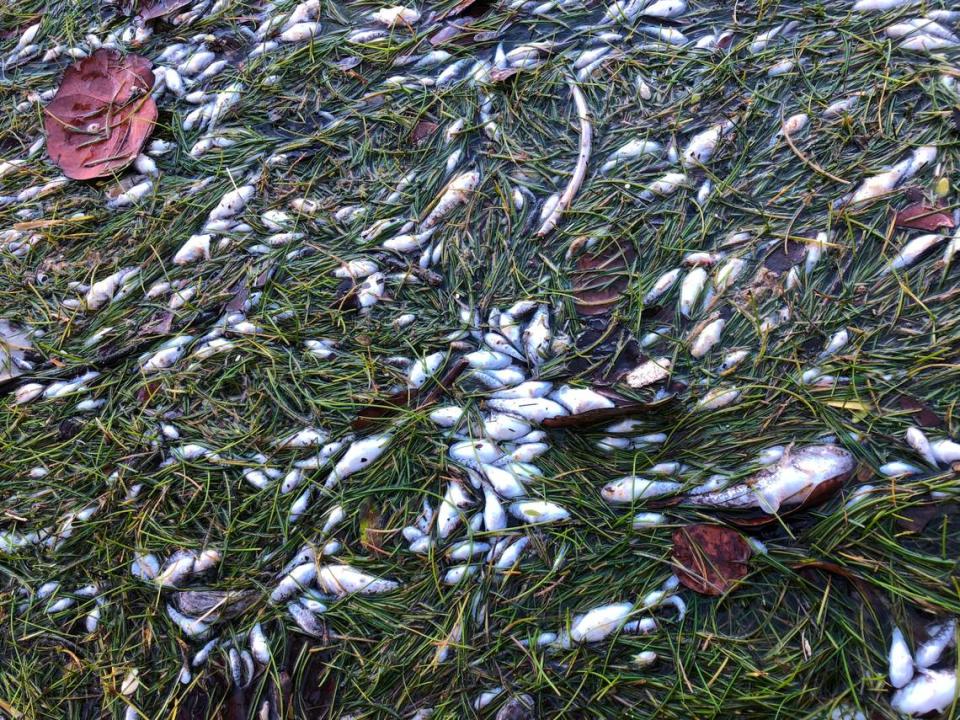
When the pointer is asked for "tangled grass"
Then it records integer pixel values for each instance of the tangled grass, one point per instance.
(803, 635)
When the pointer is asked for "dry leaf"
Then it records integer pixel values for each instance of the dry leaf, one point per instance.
(422, 131)
(709, 559)
(921, 216)
(600, 279)
(101, 115)
(785, 256)
(924, 415)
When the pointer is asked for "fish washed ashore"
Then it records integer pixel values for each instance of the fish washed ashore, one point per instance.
(491, 358)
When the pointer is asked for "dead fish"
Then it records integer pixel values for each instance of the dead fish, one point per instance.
(761, 41)
(881, 5)
(233, 202)
(662, 286)
(499, 426)
(298, 578)
(790, 481)
(449, 513)
(580, 400)
(303, 438)
(690, 290)
(538, 511)
(425, 368)
(701, 146)
(666, 184)
(899, 660)
(708, 336)
(359, 455)
(457, 192)
(919, 442)
(930, 690)
(913, 250)
(840, 107)
(487, 360)
(632, 487)
(629, 151)
(395, 15)
(880, 184)
(341, 580)
(506, 484)
(446, 416)
(533, 409)
(537, 335)
(922, 42)
(941, 637)
(197, 247)
(600, 622)
(185, 563)
(192, 627)
(665, 8)
(527, 389)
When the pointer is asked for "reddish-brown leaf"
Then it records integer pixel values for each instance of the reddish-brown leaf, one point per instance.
(915, 519)
(709, 559)
(422, 131)
(600, 278)
(923, 414)
(160, 324)
(145, 394)
(101, 115)
(921, 216)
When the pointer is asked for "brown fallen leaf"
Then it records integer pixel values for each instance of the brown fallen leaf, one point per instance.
(160, 324)
(709, 559)
(316, 683)
(784, 256)
(829, 568)
(101, 115)
(923, 414)
(921, 216)
(147, 391)
(916, 518)
(601, 277)
(422, 131)
(371, 529)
